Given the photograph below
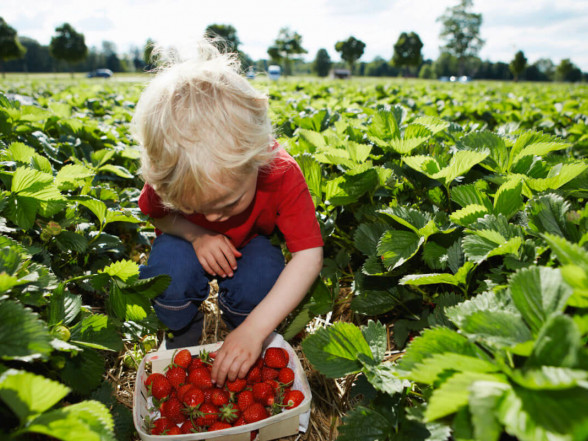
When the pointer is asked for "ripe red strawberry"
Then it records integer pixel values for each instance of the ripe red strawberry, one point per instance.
(240, 422)
(207, 414)
(261, 392)
(268, 373)
(183, 358)
(161, 425)
(286, 376)
(150, 378)
(188, 427)
(276, 358)
(293, 398)
(176, 376)
(219, 397)
(175, 430)
(160, 387)
(200, 377)
(245, 399)
(195, 363)
(236, 386)
(255, 412)
(172, 410)
(229, 413)
(219, 425)
(183, 389)
(254, 375)
(193, 398)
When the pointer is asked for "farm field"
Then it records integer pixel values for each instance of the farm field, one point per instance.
(453, 303)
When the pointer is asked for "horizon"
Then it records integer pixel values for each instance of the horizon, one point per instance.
(542, 29)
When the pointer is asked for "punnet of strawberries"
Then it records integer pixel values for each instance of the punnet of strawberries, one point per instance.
(186, 401)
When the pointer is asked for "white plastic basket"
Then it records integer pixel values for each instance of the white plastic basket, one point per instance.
(287, 423)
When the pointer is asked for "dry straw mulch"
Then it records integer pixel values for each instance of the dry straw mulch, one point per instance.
(331, 397)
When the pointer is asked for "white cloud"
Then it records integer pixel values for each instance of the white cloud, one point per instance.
(541, 28)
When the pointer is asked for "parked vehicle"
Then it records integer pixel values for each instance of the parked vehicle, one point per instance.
(100, 73)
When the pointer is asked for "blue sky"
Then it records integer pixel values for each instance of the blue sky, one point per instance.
(541, 28)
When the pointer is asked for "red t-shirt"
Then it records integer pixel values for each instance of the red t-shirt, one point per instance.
(281, 200)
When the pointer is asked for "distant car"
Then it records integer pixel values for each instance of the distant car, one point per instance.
(274, 72)
(100, 73)
(250, 73)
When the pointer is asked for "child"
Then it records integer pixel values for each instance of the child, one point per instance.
(216, 186)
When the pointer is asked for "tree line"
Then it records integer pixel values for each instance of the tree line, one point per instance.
(460, 32)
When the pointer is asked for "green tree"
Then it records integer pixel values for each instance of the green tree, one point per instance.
(287, 44)
(426, 72)
(461, 32)
(445, 65)
(567, 71)
(227, 32)
(518, 64)
(10, 46)
(351, 50)
(322, 63)
(68, 45)
(407, 51)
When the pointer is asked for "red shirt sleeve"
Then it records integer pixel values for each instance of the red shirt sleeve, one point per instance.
(296, 217)
(150, 203)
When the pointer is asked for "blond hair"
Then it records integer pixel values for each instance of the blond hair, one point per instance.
(201, 123)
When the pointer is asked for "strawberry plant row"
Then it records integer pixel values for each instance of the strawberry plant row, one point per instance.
(453, 215)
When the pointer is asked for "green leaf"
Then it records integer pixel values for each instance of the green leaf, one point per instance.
(349, 188)
(398, 246)
(97, 331)
(437, 341)
(559, 175)
(32, 339)
(431, 368)
(312, 172)
(484, 140)
(468, 214)
(64, 307)
(95, 206)
(83, 372)
(376, 336)
(460, 163)
(87, 420)
(543, 415)
(498, 328)
(507, 200)
(549, 378)
(384, 378)
(548, 214)
(70, 241)
(408, 217)
(367, 236)
(117, 170)
(312, 140)
(457, 279)
(470, 194)
(334, 351)
(375, 302)
(484, 244)
(484, 399)
(365, 424)
(123, 269)
(454, 393)
(558, 343)
(74, 174)
(540, 149)
(384, 126)
(537, 293)
(28, 394)
(406, 146)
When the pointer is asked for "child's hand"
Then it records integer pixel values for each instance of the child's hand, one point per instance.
(238, 353)
(216, 253)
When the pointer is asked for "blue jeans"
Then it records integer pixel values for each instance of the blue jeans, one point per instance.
(257, 270)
